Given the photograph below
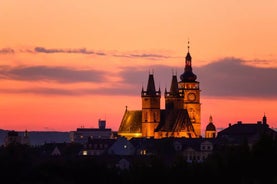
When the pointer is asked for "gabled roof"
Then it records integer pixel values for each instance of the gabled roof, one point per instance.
(175, 120)
(131, 121)
(56, 152)
(170, 121)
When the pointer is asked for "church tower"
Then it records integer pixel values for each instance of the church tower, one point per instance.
(189, 87)
(150, 108)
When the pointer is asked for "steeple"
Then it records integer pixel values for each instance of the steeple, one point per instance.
(173, 98)
(151, 89)
(188, 75)
(174, 86)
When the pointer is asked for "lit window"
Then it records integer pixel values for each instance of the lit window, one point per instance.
(85, 152)
(143, 152)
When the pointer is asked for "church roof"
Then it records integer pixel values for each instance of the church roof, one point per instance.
(210, 127)
(170, 121)
(174, 120)
(131, 121)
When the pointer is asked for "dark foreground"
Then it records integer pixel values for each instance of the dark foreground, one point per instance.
(228, 165)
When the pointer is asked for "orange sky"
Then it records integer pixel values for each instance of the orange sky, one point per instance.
(65, 64)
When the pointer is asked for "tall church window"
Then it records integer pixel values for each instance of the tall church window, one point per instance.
(145, 116)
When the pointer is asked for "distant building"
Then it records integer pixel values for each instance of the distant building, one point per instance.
(181, 116)
(249, 133)
(122, 147)
(82, 135)
(13, 137)
(25, 139)
(194, 150)
(96, 147)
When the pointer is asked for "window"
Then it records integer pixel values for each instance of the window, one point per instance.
(85, 152)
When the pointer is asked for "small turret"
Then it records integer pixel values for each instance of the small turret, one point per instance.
(210, 131)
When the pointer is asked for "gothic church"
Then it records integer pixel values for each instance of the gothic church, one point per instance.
(181, 116)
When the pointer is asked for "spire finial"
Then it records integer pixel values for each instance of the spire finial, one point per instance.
(188, 45)
(211, 119)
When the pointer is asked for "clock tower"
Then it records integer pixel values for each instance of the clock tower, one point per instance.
(189, 88)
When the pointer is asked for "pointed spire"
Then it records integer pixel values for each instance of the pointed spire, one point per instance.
(151, 89)
(210, 119)
(188, 75)
(151, 85)
(188, 57)
(174, 86)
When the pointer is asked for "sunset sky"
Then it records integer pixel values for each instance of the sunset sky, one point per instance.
(65, 64)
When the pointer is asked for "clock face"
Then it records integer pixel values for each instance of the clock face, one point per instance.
(191, 97)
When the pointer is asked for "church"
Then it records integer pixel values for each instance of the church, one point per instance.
(181, 116)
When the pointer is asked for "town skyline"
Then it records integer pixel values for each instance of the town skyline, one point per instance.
(68, 64)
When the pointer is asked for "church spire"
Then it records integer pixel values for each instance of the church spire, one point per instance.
(151, 89)
(188, 75)
(174, 91)
(188, 57)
